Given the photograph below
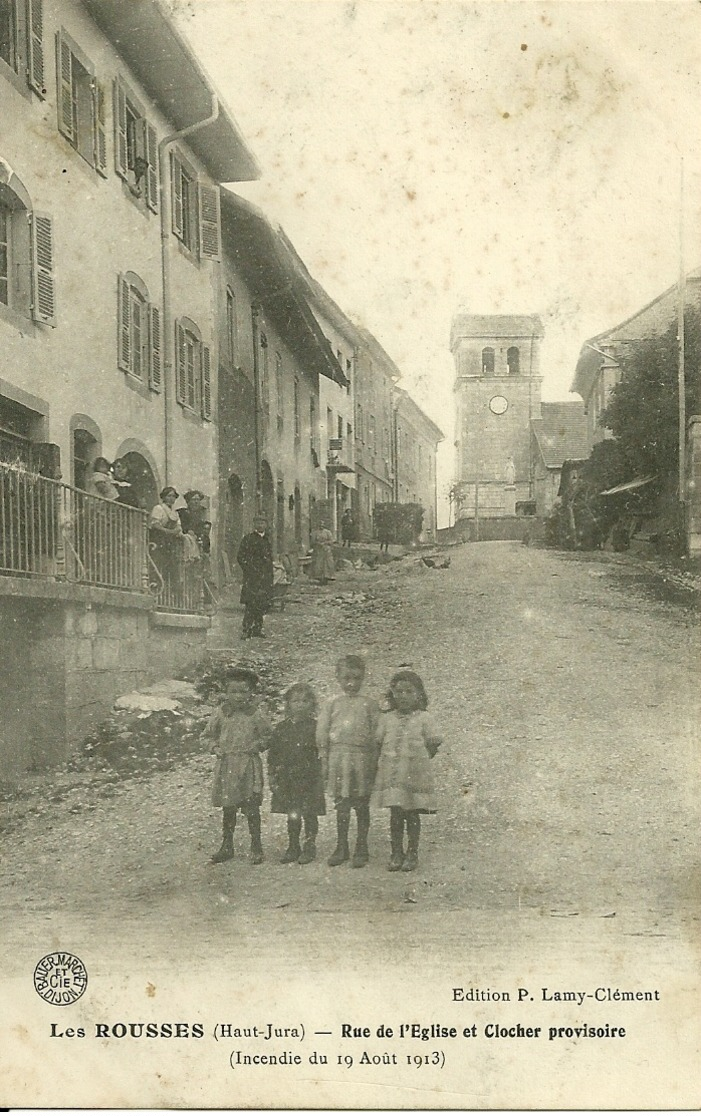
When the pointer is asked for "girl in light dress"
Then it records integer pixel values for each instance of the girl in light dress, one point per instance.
(408, 742)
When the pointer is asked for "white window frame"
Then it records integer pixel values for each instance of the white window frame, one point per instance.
(132, 292)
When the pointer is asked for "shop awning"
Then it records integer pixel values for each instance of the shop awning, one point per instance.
(629, 486)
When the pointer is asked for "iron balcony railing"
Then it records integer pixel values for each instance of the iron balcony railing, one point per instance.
(51, 530)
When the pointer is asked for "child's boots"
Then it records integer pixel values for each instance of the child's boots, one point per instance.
(413, 828)
(293, 851)
(360, 855)
(341, 853)
(308, 853)
(396, 841)
(226, 852)
(256, 846)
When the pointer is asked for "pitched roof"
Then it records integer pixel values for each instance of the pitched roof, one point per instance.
(561, 433)
(650, 320)
(495, 325)
(261, 253)
(405, 401)
(167, 67)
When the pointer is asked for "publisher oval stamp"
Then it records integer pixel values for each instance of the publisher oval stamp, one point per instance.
(60, 978)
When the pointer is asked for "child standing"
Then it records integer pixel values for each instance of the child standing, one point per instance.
(294, 772)
(408, 741)
(346, 738)
(240, 732)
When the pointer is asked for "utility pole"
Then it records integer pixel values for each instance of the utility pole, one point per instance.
(681, 371)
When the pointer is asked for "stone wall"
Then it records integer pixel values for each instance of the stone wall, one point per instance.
(63, 663)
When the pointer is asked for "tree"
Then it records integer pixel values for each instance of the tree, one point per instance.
(643, 413)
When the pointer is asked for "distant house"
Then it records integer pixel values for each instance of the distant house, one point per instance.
(559, 435)
(598, 367)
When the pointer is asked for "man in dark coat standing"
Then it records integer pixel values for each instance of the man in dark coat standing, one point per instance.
(255, 557)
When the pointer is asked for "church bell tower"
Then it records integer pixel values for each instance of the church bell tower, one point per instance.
(497, 395)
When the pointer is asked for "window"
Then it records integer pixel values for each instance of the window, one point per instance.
(139, 332)
(231, 326)
(349, 375)
(279, 392)
(359, 422)
(135, 146)
(297, 415)
(349, 434)
(193, 380)
(340, 426)
(513, 360)
(195, 217)
(81, 104)
(313, 432)
(21, 40)
(372, 435)
(26, 255)
(488, 362)
(264, 380)
(329, 425)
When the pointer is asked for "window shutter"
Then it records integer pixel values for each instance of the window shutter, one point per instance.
(64, 68)
(151, 149)
(209, 222)
(35, 47)
(154, 348)
(176, 186)
(206, 383)
(124, 329)
(43, 294)
(120, 129)
(180, 365)
(100, 135)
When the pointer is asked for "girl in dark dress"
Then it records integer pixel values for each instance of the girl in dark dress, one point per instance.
(294, 773)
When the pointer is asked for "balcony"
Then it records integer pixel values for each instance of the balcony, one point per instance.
(336, 460)
(51, 531)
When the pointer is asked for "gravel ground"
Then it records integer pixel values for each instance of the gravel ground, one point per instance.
(567, 692)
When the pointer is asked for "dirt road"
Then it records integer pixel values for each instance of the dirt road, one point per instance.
(568, 782)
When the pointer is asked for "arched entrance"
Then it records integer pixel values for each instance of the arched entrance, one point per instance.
(267, 494)
(234, 518)
(141, 479)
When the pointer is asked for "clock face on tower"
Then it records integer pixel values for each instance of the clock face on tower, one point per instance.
(498, 404)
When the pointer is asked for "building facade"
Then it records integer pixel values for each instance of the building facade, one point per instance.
(376, 375)
(416, 440)
(112, 148)
(559, 435)
(272, 446)
(497, 395)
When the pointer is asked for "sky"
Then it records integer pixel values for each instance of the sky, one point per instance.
(495, 157)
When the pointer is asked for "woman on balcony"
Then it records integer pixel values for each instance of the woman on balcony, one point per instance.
(166, 534)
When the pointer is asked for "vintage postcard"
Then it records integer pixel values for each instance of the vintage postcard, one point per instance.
(350, 554)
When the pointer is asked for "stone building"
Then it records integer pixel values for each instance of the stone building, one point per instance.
(416, 440)
(559, 435)
(112, 147)
(497, 396)
(275, 365)
(376, 375)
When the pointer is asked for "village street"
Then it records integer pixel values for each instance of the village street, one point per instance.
(566, 690)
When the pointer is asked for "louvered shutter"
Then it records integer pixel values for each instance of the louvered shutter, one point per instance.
(120, 129)
(206, 383)
(176, 186)
(209, 222)
(180, 365)
(154, 348)
(35, 47)
(99, 131)
(43, 293)
(151, 149)
(124, 328)
(64, 67)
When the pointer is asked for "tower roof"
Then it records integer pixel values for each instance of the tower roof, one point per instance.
(489, 326)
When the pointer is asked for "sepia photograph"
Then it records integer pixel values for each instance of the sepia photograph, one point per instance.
(350, 554)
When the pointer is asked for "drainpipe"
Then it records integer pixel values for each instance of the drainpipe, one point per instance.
(168, 338)
(255, 311)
